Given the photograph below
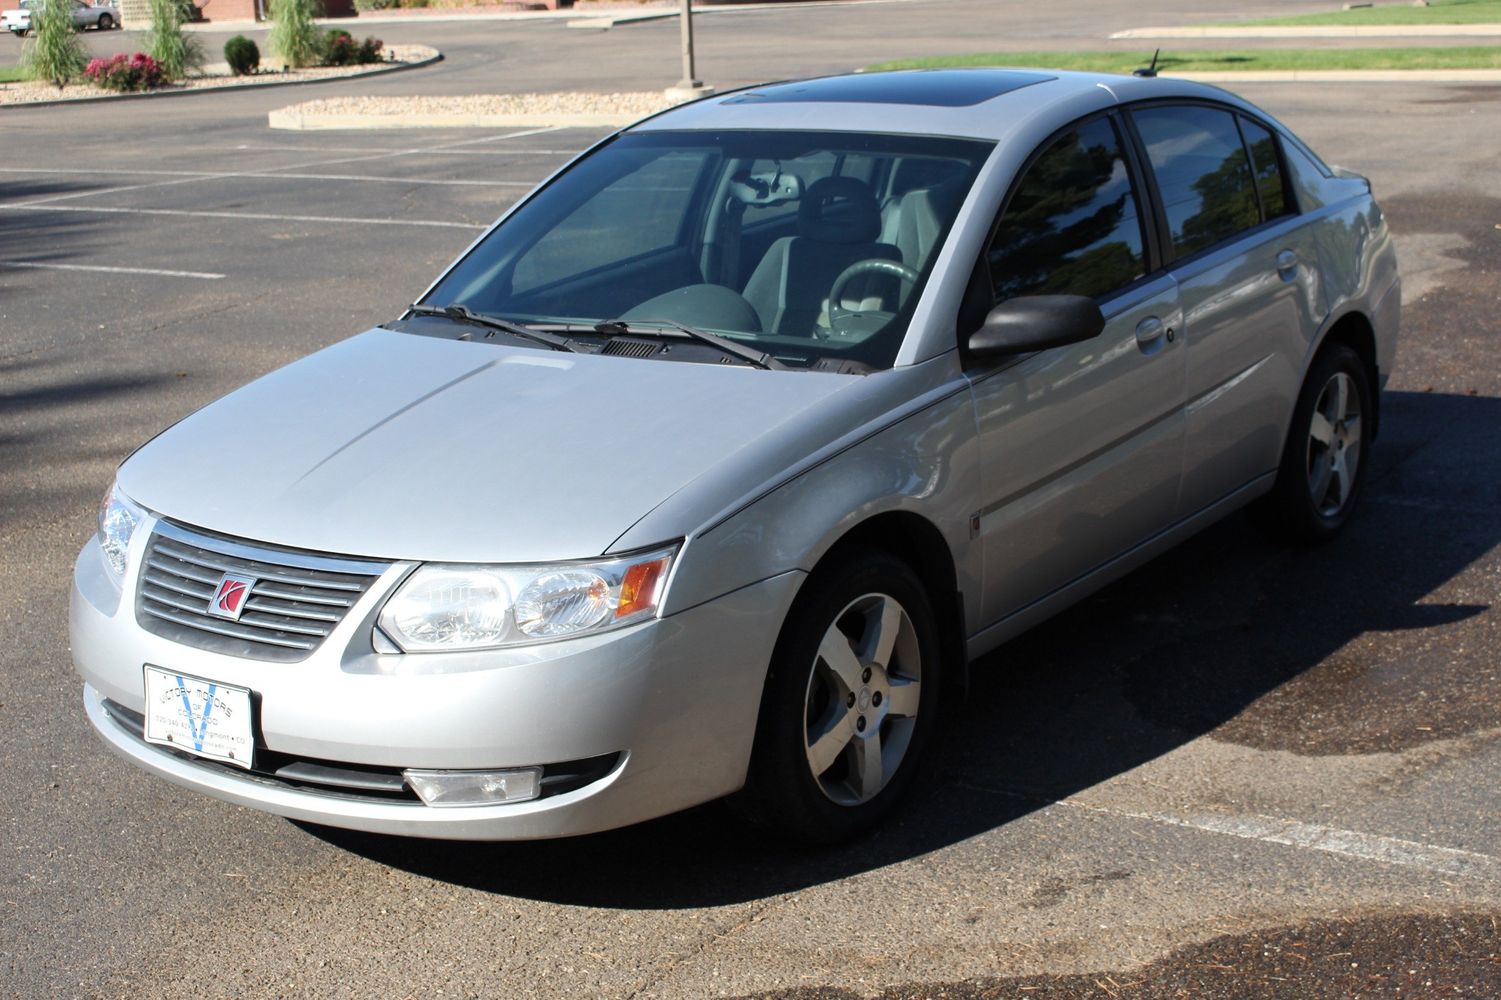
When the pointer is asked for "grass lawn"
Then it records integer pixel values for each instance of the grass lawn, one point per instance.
(1175, 61)
(11, 74)
(1441, 12)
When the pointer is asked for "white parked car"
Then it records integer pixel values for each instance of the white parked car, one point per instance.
(18, 22)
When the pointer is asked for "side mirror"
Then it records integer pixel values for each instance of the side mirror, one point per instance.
(1034, 323)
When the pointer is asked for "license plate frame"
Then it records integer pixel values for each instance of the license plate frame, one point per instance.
(205, 718)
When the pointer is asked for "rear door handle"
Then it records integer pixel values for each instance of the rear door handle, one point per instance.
(1287, 263)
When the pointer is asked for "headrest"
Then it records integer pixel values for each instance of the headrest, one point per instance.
(839, 210)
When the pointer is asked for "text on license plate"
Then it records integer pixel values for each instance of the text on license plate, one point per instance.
(199, 716)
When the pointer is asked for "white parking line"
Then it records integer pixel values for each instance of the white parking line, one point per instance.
(1294, 833)
(268, 216)
(193, 175)
(287, 148)
(1328, 839)
(208, 276)
(439, 147)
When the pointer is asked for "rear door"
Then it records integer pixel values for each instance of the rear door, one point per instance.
(1243, 260)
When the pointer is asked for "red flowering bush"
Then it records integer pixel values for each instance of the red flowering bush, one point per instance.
(123, 73)
(340, 49)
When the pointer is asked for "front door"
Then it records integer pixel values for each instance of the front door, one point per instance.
(1081, 445)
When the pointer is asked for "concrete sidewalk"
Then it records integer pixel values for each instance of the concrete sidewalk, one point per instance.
(1320, 31)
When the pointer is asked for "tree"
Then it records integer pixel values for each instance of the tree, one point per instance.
(54, 52)
(294, 37)
(175, 51)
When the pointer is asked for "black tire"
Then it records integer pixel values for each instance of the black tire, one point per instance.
(1305, 506)
(105, 22)
(805, 695)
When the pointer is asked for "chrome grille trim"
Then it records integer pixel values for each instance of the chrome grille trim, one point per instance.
(297, 601)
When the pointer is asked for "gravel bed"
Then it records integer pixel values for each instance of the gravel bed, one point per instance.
(216, 76)
(567, 103)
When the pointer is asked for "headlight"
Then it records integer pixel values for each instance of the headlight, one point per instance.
(118, 518)
(442, 608)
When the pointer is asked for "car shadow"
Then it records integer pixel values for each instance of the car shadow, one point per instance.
(1201, 641)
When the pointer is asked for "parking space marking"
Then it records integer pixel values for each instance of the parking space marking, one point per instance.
(266, 216)
(440, 147)
(195, 175)
(276, 148)
(1292, 833)
(206, 275)
(1328, 839)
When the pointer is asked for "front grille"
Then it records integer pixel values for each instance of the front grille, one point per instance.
(297, 600)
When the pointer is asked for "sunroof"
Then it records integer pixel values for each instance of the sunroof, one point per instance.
(938, 88)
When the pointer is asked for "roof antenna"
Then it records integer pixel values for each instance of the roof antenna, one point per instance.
(1149, 70)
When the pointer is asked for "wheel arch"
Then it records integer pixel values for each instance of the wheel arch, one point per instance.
(916, 541)
(1354, 330)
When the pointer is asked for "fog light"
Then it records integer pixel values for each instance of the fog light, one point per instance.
(475, 788)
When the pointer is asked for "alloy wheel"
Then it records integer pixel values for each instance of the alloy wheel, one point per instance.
(862, 699)
(1334, 435)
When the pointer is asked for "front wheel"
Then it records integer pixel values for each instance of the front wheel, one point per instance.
(850, 702)
(1324, 461)
(106, 22)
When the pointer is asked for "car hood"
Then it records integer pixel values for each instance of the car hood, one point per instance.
(400, 446)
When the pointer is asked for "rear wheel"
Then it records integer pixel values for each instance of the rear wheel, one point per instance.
(106, 22)
(849, 705)
(1324, 462)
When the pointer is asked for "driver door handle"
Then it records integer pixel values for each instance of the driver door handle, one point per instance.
(1287, 263)
(1148, 331)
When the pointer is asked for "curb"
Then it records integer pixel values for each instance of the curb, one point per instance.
(572, 18)
(148, 96)
(1321, 31)
(1345, 76)
(293, 120)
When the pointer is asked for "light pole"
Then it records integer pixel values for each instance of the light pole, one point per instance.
(689, 86)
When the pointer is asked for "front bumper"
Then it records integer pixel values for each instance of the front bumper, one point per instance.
(672, 703)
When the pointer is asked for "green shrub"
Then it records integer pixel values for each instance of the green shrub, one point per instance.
(243, 56)
(340, 49)
(294, 37)
(177, 53)
(365, 5)
(54, 52)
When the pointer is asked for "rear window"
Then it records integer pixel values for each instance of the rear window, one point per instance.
(1202, 173)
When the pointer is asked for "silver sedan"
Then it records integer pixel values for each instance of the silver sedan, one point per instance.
(85, 15)
(711, 466)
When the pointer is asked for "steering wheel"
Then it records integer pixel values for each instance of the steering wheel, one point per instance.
(842, 321)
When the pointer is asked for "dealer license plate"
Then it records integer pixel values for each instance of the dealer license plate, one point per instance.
(199, 716)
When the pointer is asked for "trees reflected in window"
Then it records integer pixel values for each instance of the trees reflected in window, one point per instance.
(1073, 226)
(1202, 174)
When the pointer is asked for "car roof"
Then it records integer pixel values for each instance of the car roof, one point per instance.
(981, 103)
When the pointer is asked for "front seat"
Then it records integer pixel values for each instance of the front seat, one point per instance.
(838, 222)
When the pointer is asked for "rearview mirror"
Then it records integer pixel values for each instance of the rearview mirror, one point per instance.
(1034, 323)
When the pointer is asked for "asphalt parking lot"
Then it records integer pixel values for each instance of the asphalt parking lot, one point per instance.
(1243, 771)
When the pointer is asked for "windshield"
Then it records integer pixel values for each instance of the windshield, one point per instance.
(812, 247)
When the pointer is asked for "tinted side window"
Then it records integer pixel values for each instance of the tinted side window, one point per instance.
(1268, 167)
(1072, 227)
(1202, 173)
(636, 214)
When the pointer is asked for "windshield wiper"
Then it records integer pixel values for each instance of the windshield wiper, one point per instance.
(463, 314)
(615, 327)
